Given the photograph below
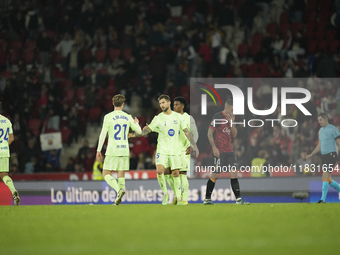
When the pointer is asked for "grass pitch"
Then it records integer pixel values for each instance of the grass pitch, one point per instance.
(156, 229)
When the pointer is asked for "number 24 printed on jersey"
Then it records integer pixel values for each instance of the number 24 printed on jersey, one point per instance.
(2, 132)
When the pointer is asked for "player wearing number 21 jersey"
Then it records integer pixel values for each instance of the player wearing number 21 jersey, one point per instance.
(6, 138)
(117, 124)
(168, 124)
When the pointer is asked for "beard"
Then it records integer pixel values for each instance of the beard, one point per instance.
(166, 109)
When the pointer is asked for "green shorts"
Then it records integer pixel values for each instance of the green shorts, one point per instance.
(4, 164)
(112, 163)
(186, 162)
(172, 161)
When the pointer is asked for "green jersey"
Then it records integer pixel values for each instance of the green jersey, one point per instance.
(168, 128)
(117, 124)
(5, 131)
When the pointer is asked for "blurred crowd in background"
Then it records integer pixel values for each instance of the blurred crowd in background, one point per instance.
(62, 61)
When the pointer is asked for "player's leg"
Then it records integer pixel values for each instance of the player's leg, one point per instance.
(184, 178)
(184, 187)
(332, 164)
(168, 177)
(175, 165)
(177, 184)
(161, 181)
(110, 164)
(326, 180)
(229, 161)
(329, 160)
(211, 182)
(122, 166)
(121, 178)
(210, 188)
(4, 169)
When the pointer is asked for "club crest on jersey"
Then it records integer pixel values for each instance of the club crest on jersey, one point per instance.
(175, 122)
(171, 132)
(164, 123)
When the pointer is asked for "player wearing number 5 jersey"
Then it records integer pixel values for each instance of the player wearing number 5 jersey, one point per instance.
(168, 124)
(117, 124)
(329, 135)
(6, 138)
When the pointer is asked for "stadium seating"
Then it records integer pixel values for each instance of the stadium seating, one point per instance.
(16, 45)
(28, 56)
(100, 55)
(65, 134)
(114, 53)
(35, 125)
(94, 114)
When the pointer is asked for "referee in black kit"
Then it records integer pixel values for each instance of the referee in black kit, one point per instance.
(329, 135)
(224, 157)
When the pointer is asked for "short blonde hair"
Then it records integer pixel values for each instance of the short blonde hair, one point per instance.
(118, 100)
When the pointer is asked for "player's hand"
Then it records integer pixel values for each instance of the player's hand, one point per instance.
(196, 151)
(230, 117)
(131, 135)
(308, 156)
(99, 156)
(188, 151)
(145, 126)
(135, 120)
(216, 152)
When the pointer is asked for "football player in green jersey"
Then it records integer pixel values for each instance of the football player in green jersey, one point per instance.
(117, 124)
(169, 124)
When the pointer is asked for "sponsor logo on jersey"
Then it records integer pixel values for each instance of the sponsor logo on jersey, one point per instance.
(2, 121)
(171, 132)
(226, 130)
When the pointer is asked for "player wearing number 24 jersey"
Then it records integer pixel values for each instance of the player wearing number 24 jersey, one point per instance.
(117, 124)
(6, 138)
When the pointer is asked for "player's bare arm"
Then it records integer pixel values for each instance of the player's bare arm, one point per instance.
(146, 130)
(192, 140)
(216, 152)
(231, 119)
(10, 138)
(315, 151)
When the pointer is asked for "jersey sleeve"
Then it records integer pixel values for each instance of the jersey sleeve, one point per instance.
(182, 123)
(154, 123)
(336, 133)
(193, 129)
(106, 123)
(134, 126)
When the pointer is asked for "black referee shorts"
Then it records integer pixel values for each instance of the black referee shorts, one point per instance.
(329, 161)
(225, 162)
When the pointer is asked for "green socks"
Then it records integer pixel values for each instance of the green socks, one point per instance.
(170, 181)
(185, 186)
(112, 182)
(8, 181)
(121, 182)
(162, 183)
(177, 188)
